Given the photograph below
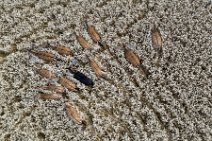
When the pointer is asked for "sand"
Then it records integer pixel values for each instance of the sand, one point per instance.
(174, 103)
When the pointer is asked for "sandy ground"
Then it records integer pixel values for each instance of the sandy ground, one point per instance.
(173, 104)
